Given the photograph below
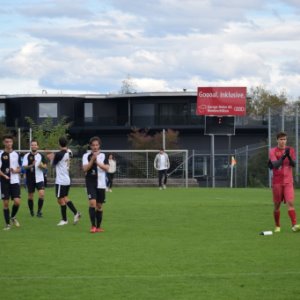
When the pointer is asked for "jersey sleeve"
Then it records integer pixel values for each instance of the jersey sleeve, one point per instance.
(25, 160)
(85, 160)
(272, 155)
(105, 159)
(155, 162)
(43, 159)
(168, 161)
(58, 157)
(19, 159)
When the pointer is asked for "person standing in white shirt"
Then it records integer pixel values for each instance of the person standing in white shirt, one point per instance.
(95, 167)
(61, 162)
(111, 172)
(162, 164)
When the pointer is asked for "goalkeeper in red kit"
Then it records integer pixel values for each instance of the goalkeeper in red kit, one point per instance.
(281, 161)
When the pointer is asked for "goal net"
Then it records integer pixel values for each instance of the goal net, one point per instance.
(137, 167)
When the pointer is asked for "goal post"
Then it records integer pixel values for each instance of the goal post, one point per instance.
(139, 165)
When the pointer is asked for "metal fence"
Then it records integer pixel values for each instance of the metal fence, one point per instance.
(251, 168)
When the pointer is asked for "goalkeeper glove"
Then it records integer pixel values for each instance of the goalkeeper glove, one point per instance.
(287, 152)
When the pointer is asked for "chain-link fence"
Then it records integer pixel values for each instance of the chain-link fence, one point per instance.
(251, 166)
(251, 161)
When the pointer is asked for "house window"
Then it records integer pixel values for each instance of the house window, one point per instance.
(88, 112)
(143, 114)
(2, 112)
(47, 110)
(172, 113)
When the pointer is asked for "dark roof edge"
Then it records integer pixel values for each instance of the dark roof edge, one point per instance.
(103, 96)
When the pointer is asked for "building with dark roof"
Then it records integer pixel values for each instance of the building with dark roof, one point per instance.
(112, 116)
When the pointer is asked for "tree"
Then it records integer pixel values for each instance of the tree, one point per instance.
(128, 86)
(141, 139)
(47, 133)
(261, 99)
(3, 131)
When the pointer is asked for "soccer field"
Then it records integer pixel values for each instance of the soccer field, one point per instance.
(171, 244)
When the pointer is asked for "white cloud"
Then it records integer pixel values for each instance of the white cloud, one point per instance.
(151, 85)
(163, 45)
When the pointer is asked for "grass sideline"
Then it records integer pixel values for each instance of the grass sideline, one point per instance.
(172, 244)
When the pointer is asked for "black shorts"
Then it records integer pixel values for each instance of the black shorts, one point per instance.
(61, 190)
(95, 193)
(9, 190)
(31, 186)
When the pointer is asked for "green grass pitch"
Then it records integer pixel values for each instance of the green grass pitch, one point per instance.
(172, 244)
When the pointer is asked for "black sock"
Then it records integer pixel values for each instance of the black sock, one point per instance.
(6, 215)
(14, 210)
(63, 209)
(72, 207)
(40, 204)
(99, 214)
(30, 205)
(92, 213)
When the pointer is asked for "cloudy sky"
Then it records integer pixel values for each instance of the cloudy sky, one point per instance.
(91, 46)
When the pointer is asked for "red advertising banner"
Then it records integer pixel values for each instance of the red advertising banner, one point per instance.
(221, 101)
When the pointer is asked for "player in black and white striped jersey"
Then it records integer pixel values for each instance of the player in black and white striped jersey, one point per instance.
(61, 162)
(95, 167)
(34, 164)
(10, 167)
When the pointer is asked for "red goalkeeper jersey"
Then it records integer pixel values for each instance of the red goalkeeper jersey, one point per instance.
(285, 173)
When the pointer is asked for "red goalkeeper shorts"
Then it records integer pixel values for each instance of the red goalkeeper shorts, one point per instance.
(283, 192)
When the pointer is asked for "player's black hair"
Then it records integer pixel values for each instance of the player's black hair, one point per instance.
(7, 136)
(63, 142)
(35, 141)
(281, 134)
(95, 138)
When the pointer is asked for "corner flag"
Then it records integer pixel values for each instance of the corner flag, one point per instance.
(233, 161)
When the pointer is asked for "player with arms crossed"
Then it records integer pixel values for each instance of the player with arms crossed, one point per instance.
(95, 168)
(281, 161)
(10, 167)
(61, 161)
(34, 164)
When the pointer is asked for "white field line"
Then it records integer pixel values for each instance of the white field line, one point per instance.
(145, 276)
